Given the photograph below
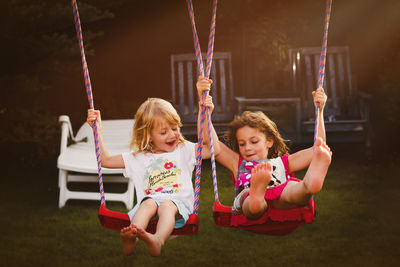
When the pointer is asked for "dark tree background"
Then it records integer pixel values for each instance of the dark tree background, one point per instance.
(129, 42)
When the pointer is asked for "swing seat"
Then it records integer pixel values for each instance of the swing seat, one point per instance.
(267, 224)
(116, 221)
(273, 221)
(113, 220)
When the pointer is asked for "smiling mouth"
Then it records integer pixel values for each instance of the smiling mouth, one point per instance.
(171, 143)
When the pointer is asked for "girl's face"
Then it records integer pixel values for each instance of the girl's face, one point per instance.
(164, 136)
(253, 144)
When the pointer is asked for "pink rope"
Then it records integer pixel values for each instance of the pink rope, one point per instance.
(205, 113)
(88, 87)
(322, 61)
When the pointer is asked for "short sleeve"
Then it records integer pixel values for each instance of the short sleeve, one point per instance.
(189, 151)
(128, 160)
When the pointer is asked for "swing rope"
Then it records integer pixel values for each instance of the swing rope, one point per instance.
(321, 70)
(88, 86)
(205, 112)
(269, 223)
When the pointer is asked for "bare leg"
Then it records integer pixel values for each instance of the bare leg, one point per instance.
(129, 235)
(299, 193)
(166, 221)
(255, 204)
(315, 175)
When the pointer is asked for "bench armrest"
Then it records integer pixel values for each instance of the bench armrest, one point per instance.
(66, 131)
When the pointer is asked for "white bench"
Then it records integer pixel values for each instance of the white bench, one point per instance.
(77, 161)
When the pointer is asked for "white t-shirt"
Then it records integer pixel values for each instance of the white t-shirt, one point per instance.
(165, 175)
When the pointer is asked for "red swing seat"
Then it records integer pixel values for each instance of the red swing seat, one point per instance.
(273, 221)
(266, 224)
(116, 220)
(113, 220)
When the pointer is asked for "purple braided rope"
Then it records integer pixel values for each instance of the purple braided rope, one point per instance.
(213, 165)
(200, 134)
(195, 38)
(88, 87)
(210, 51)
(321, 71)
(211, 38)
(204, 112)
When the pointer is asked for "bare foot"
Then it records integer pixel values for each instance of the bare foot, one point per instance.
(129, 239)
(260, 178)
(315, 176)
(154, 244)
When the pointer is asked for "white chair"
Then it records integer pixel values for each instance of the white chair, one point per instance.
(77, 161)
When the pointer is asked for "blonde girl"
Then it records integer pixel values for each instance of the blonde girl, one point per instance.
(161, 164)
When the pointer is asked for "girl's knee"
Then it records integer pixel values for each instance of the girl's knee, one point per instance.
(295, 194)
(168, 205)
(149, 203)
(251, 215)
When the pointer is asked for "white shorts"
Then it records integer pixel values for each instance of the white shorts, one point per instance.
(183, 210)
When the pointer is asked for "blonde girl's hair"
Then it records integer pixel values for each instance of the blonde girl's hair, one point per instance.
(257, 120)
(147, 117)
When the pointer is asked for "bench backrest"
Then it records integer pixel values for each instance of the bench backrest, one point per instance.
(117, 134)
(184, 76)
(338, 83)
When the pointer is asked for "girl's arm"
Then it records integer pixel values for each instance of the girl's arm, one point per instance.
(204, 84)
(302, 159)
(228, 158)
(320, 99)
(107, 160)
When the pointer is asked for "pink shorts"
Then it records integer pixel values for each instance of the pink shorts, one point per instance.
(303, 213)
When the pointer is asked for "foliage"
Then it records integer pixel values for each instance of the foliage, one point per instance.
(42, 29)
(265, 31)
(29, 125)
(39, 42)
(264, 57)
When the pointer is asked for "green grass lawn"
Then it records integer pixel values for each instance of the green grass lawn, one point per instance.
(356, 224)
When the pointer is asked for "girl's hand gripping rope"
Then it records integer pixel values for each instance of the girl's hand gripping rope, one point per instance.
(204, 85)
(319, 98)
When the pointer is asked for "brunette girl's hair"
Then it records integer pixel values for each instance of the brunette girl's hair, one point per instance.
(147, 117)
(257, 120)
